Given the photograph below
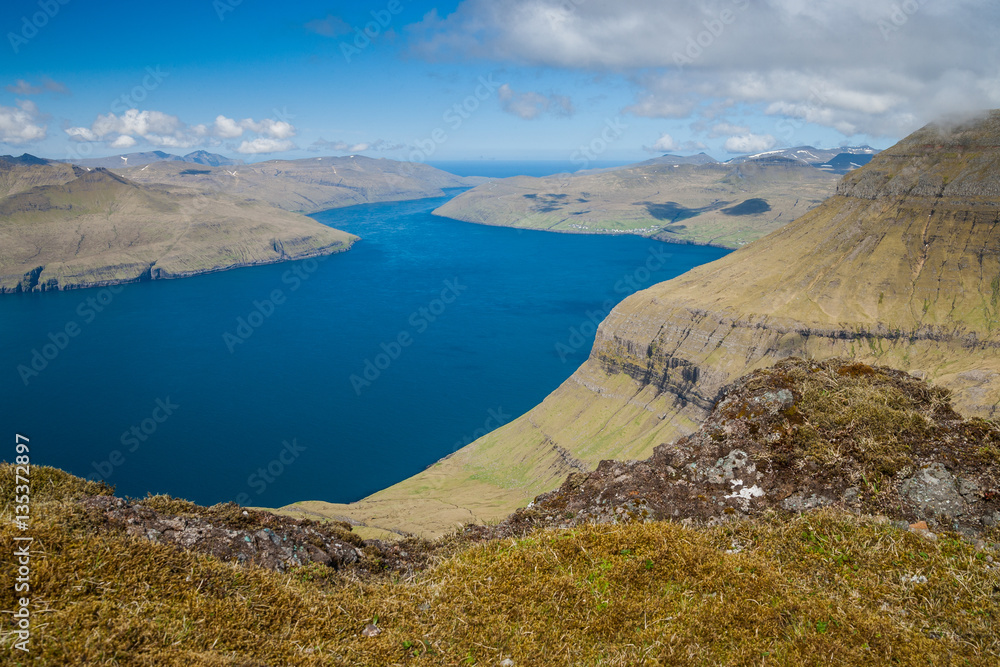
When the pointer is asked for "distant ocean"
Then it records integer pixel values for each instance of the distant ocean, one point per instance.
(315, 379)
(507, 168)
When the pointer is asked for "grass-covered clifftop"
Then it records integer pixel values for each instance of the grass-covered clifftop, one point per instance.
(822, 588)
(62, 227)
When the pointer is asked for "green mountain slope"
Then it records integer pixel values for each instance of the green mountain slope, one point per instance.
(307, 185)
(95, 228)
(719, 204)
(900, 267)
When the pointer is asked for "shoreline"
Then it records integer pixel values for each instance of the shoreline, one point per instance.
(709, 244)
(152, 274)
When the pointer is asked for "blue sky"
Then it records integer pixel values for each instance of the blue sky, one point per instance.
(539, 79)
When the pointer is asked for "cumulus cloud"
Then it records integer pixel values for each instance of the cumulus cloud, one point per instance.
(530, 105)
(665, 144)
(227, 128)
(124, 141)
(21, 124)
(167, 131)
(859, 66)
(750, 143)
(331, 26)
(265, 145)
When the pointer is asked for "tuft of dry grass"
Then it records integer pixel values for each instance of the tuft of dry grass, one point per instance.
(825, 588)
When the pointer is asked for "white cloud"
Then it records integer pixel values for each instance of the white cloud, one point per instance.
(124, 141)
(276, 129)
(665, 144)
(750, 143)
(530, 105)
(167, 131)
(21, 124)
(859, 66)
(727, 129)
(265, 145)
(227, 128)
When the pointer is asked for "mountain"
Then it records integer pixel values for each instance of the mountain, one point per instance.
(901, 267)
(812, 155)
(307, 185)
(845, 162)
(18, 174)
(671, 160)
(697, 201)
(149, 157)
(211, 159)
(63, 227)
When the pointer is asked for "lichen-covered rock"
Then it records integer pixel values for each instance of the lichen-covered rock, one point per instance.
(797, 437)
(261, 538)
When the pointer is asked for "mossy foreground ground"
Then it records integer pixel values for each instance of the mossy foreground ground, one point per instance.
(823, 588)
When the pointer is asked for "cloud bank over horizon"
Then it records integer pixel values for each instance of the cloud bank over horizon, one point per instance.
(721, 76)
(876, 67)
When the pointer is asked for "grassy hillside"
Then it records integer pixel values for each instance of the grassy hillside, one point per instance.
(95, 228)
(725, 205)
(306, 185)
(824, 588)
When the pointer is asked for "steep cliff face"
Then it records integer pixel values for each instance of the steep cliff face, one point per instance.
(900, 268)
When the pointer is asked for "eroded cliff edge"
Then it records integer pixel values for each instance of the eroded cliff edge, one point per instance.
(901, 268)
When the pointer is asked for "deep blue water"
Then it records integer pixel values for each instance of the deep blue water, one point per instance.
(505, 341)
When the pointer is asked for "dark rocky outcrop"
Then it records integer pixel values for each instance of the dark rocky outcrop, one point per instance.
(796, 437)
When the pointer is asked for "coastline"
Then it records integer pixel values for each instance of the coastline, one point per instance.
(152, 273)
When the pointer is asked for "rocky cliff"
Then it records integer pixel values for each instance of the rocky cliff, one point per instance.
(901, 267)
(796, 437)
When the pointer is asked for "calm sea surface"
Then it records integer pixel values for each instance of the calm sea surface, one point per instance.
(314, 379)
